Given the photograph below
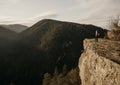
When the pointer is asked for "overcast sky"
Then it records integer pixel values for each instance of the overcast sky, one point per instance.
(29, 12)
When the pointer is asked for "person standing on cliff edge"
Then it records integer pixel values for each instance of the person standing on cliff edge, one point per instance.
(97, 34)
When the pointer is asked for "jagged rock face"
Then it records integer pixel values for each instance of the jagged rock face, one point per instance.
(100, 63)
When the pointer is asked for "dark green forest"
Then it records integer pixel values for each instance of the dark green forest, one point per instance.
(46, 53)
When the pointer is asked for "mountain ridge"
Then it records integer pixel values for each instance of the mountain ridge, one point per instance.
(47, 24)
(15, 27)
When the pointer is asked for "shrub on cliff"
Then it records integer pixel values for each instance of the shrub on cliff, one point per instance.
(64, 78)
(47, 79)
(114, 33)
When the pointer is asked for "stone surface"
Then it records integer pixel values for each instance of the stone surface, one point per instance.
(99, 64)
(114, 34)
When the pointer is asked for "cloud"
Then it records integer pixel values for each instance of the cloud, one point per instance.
(9, 1)
(98, 11)
(14, 1)
(94, 12)
(44, 16)
(6, 19)
(28, 21)
(32, 20)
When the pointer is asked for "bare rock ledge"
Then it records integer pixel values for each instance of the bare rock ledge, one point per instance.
(99, 64)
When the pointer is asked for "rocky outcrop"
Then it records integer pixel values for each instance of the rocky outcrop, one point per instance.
(99, 64)
(114, 34)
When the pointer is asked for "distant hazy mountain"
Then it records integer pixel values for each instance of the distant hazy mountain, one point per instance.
(7, 38)
(6, 33)
(16, 27)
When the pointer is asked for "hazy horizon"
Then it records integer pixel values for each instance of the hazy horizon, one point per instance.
(28, 12)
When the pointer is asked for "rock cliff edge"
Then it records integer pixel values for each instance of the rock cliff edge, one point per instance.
(99, 64)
